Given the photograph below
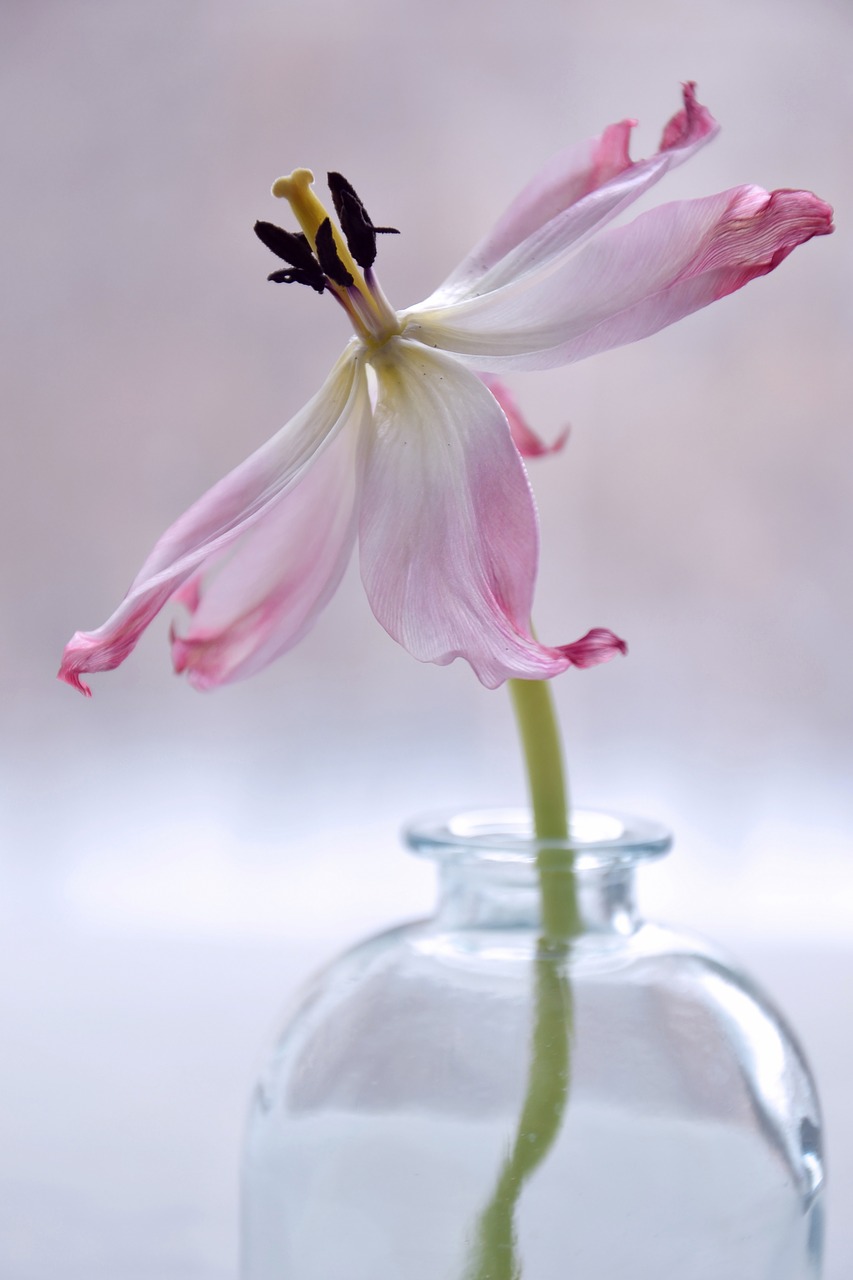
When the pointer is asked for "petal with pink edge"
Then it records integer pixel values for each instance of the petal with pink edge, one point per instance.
(525, 439)
(576, 193)
(233, 506)
(597, 646)
(448, 532)
(270, 589)
(630, 281)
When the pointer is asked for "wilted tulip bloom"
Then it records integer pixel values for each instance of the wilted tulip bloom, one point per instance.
(421, 464)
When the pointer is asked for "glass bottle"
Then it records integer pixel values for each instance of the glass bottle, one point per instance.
(686, 1143)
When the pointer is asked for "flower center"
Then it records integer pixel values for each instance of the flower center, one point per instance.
(334, 256)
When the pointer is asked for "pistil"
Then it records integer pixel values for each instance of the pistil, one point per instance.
(310, 213)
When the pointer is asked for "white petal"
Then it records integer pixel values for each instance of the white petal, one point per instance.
(214, 523)
(271, 588)
(577, 193)
(448, 531)
(629, 282)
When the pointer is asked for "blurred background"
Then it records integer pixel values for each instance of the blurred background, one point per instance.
(173, 863)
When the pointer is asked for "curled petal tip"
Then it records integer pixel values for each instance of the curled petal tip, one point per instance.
(816, 214)
(689, 125)
(597, 646)
(70, 674)
(758, 232)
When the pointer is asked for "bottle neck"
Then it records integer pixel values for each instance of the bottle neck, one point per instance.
(487, 896)
(488, 863)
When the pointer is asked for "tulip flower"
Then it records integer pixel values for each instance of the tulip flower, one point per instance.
(407, 451)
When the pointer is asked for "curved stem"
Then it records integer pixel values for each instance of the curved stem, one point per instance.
(495, 1255)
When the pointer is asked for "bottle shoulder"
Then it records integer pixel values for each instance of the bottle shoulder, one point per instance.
(419, 970)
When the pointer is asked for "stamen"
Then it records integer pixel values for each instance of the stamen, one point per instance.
(364, 311)
(336, 264)
(296, 251)
(356, 224)
(296, 275)
(327, 252)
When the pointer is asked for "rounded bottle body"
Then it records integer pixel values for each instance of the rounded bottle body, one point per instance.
(686, 1131)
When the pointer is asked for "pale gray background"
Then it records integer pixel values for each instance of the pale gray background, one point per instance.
(172, 863)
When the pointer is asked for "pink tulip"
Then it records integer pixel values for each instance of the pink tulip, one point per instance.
(424, 468)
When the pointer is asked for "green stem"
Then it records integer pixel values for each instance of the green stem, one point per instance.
(495, 1255)
(540, 740)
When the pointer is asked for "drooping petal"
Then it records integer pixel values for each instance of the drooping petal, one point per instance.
(629, 282)
(448, 532)
(213, 524)
(269, 591)
(525, 439)
(577, 192)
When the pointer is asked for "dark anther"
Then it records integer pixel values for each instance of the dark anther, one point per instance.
(327, 252)
(359, 231)
(296, 251)
(295, 275)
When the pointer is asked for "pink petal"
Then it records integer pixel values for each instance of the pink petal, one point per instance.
(213, 524)
(693, 123)
(448, 530)
(525, 439)
(597, 646)
(758, 233)
(271, 589)
(630, 281)
(579, 190)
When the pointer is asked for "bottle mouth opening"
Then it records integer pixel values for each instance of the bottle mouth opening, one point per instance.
(506, 836)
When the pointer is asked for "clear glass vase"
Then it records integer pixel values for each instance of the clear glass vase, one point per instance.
(678, 1136)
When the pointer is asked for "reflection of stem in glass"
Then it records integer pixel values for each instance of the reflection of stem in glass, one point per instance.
(495, 1254)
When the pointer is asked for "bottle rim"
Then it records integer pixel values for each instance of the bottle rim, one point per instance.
(597, 838)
